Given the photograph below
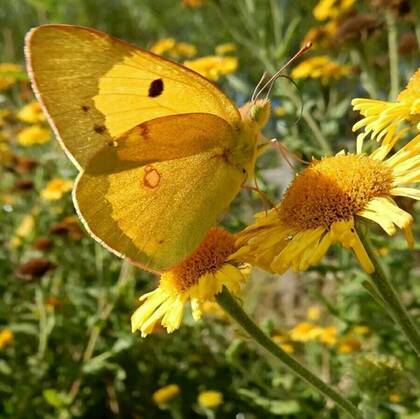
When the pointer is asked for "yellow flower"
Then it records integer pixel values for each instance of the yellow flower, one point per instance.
(279, 111)
(6, 155)
(361, 330)
(381, 118)
(213, 67)
(328, 335)
(173, 48)
(6, 336)
(313, 313)
(26, 226)
(197, 279)
(165, 394)
(320, 67)
(163, 45)
(348, 344)
(321, 36)
(283, 342)
(32, 135)
(394, 398)
(304, 332)
(322, 202)
(210, 399)
(330, 9)
(9, 75)
(56, 188)
(31, 113)
(224, 49)
(184, 49)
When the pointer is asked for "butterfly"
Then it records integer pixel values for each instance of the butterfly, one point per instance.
(161, 151)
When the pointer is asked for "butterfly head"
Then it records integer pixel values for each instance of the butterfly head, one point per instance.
(256, 113)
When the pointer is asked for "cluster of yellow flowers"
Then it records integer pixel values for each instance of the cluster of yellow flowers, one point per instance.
(209, 399)
(321, 67)
(210, 66)
(37, 132)
(318, 209)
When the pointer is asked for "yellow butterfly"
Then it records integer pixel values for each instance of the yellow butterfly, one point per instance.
(161, 150)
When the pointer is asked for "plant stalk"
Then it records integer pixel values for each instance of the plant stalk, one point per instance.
(388, 294)
(230, 305)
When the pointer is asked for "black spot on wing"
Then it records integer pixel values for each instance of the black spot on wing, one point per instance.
(156, 88)
(100, 129)
(85, 108)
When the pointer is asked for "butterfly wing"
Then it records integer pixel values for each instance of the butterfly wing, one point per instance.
(95, 88)
(155, 210)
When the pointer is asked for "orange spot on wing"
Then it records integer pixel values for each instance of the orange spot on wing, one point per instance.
(151, 178)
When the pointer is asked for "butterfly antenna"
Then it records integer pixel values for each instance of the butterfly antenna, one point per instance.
(273, 78)
(257, 87)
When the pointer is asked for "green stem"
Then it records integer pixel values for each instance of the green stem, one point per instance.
(393, 55)
(388, 294)
(230, 305)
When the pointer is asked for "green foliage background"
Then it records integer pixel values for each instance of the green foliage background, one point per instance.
(78, 358)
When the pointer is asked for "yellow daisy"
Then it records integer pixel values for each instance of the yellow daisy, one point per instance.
(56, 188)
(320, 206)
(210, 399)
(6, 336)
(9, 74)
(31, 113)
(331, 9)
(382, 118)
(32, 135)
(166, 394)
(321, 67)
(197, 279)
(212, 66)
(224, 49)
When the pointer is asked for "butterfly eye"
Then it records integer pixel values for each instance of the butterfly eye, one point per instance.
(256, 113)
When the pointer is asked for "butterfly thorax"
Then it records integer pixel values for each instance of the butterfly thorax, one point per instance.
(254, 116)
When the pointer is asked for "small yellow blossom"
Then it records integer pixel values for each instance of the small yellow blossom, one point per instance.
(348, 344)
(304, 332)
(31, 113)
(210, 399)
(173, 48)
(9, 75)
(32, 135)
(360, 330)
(26, 226)
(331, 9)
(166, 394)
(224, 49)
(213, 67)
(6, 156)
(197, 279)
(320, 206)
(313, 313)
(322, 36)
(56, 188)
(328, 335)
(283, 342)
(163, 46)
(279, 111)
(6, 336)
(321, 67)
(394, 398)
(381, 118)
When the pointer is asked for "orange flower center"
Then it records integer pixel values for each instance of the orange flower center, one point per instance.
(333, 189)
(207, 258)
